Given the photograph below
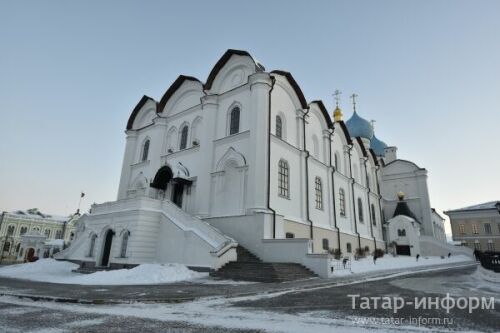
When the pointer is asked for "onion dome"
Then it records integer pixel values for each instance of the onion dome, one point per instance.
(378, 146)
(358, 126)
(337, 114)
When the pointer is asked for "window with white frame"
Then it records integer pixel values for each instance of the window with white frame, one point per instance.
(184, 137)
(474, 229)
(342, 202)
(279, 127)
(360, 211)
(10, 230)
(145, 151)
(283, 179)
(487, 228)
(234, 121)
(319, 193)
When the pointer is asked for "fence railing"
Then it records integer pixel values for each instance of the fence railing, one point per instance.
(490, 260)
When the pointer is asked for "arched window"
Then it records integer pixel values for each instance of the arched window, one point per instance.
(145, 151)
(374, 216)
(58, 234)
(92, 245)
(23, 230)
(234, 121)
(18, 247)
(360, 211)
(71, 236)
(279, 127)
(125, 237)
(6, 247)
(36, 229)
(10, 230)
(401, 232)
(319, 193)
(342, 202)
(184, 138)
(47, 233)
(283, 179)
(337, 166)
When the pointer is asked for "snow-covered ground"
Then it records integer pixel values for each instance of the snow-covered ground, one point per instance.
(387, 262)
(50, 270)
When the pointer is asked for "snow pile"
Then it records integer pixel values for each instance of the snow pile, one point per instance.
(389, 262)
(50, 270)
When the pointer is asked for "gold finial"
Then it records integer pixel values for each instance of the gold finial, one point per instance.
(337, 113)
(353, 97)
(401, 195)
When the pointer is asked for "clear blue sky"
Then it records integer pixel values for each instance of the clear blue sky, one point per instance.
(70, 73)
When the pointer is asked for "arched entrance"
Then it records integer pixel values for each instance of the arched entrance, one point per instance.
(30, 254)
(162, 178)
(108, 240)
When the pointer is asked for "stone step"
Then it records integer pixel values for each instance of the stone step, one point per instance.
(249, 267)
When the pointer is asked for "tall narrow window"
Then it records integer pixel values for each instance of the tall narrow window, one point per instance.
(342, 202)
(348, 247)
(319, 193)
(58, 234)
(184, 137)
(474, 229)
(23, 230)
(47, 233)
(234, 121)
(374, 215)
(125, 237)
(283, 179)
(360, 211)
(336, 156)
(279, 127)
(487, 228)
(145, 151)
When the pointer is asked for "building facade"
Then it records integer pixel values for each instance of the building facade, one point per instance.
(241, 158)
(477, 226)
(16, 224)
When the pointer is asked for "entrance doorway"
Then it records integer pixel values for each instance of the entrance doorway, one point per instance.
(403, 250)
(177, 195)
(30, 254)
(107, 247)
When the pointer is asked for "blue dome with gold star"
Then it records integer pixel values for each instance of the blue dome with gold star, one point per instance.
(358, 126)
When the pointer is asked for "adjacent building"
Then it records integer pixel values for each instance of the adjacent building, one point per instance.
(477, 226)
(29, 225)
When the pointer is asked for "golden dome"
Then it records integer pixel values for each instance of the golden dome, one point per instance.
(337, 114)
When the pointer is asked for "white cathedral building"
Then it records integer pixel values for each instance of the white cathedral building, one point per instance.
(244, 159)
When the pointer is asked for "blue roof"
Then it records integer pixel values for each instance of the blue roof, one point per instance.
(378, 146)
(358, 126)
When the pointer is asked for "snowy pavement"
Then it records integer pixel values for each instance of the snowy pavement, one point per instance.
(321, 309)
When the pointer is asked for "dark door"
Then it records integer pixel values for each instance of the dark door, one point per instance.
(403, 250)
(30, 254)
(107, 248)
(178, 191)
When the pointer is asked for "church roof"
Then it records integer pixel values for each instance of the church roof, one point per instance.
(403, 209)
(483, 206)
(358, 126)
(378, 146)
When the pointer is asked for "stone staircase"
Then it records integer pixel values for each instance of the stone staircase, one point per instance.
(249, 267)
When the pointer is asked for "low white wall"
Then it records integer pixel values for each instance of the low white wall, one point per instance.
(433, 247)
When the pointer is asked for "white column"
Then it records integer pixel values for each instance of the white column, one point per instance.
(128, 160)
